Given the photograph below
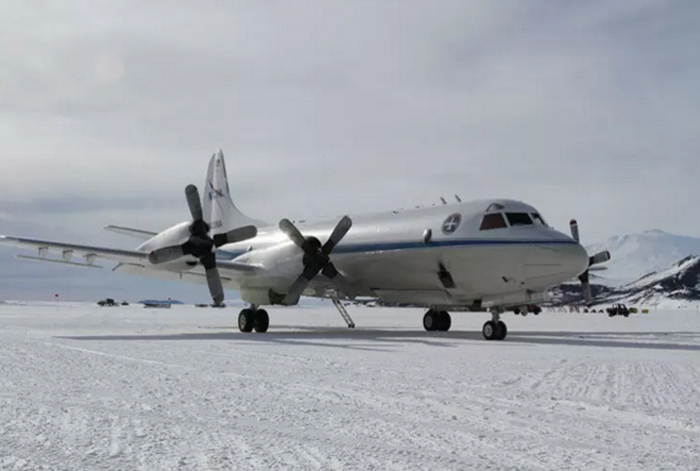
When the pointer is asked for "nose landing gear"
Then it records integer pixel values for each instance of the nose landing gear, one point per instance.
(437, 321)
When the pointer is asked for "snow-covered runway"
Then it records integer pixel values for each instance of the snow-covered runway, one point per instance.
(83, 387)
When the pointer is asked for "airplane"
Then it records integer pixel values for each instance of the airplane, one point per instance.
(480, 255)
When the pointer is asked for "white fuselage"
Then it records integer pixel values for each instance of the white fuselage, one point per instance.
(397, 256)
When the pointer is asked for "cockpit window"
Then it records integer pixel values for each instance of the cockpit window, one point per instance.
(519, 219)
(492, 221)
(538, 219)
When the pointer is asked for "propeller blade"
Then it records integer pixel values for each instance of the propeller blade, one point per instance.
(166, 254)
(194, 202)
(341, 283)
(573, 225)
(294, 291)
(215, 287)
(236, 235)
(338, 233)
(600, 257)
(585, 287)
(292, 232)
(213, 278)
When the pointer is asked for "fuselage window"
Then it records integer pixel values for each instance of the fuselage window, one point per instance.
(519, 219)
(492, 221)
(538, 219)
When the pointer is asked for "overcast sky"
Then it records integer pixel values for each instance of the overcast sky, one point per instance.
(585, 109)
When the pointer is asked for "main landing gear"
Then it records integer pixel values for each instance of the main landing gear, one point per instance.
(495, 329)
(253, 318)
(437, 320)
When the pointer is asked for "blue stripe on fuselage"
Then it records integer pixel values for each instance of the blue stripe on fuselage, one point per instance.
(387, 246)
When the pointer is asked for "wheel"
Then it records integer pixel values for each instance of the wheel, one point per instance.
(501, 330)
(430, 321)
(627, 314)
(489, 330)
(444, 321)
(246, 319)
(261, 320)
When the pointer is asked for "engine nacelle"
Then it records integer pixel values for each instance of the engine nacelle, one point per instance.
(175, 235)
(284, 259)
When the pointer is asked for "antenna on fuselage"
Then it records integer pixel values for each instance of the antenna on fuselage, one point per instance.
(459, 200)
(443, 200)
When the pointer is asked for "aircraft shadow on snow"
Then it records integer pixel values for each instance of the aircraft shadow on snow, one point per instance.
(300, 335)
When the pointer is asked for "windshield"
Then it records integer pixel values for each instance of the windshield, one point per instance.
(538, 219)
(492, 221)
(519, 219)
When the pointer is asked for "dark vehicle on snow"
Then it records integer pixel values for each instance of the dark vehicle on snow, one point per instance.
(618, 310)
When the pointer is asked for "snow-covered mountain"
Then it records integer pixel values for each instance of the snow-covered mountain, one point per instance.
(636, 255)
(678, 286)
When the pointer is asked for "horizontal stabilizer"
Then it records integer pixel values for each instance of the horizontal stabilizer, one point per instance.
(128, 231)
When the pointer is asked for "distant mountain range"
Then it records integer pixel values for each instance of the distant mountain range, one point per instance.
(636, 255)
(652, 268)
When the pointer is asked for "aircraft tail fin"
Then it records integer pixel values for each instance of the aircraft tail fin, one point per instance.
(219, 210)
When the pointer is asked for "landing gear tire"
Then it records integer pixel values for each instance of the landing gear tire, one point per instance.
(261, 321)
(501, 330)
(431, 321)
(489, 330)
(246, 320)
(444, 321)
(494, 330)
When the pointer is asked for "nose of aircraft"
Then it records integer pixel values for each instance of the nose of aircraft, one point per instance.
(577, 259)
(572, 258)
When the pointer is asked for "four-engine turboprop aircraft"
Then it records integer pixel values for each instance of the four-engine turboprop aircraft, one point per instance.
(493, 254)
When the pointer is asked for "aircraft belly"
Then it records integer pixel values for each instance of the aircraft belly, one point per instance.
(476, 270)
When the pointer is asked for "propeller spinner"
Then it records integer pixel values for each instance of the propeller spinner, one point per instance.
(202, 245)
(600, 257)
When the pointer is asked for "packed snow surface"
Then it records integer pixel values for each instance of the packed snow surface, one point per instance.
(83, 387)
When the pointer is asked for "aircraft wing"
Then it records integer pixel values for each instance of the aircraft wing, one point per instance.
(90, 253)
(68, 251)
(128, 231)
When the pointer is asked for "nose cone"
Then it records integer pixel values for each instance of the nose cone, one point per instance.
(576, 260)
(571, 257)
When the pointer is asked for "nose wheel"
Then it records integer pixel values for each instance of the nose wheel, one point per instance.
(253, 319)
(437, 321)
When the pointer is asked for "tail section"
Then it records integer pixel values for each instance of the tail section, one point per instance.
(219, 211)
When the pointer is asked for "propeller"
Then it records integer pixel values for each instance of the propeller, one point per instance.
(201, 245)
(600, 257)
(317, 258)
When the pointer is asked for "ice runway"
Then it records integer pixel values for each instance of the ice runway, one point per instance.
(132, 388)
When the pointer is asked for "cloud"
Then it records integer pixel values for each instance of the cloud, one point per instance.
(584, 109)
